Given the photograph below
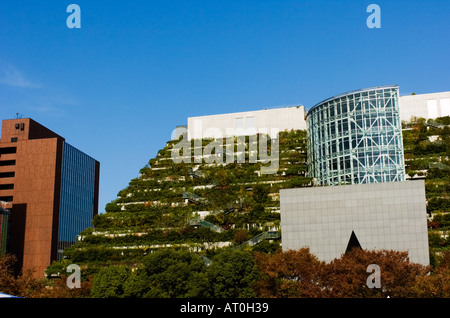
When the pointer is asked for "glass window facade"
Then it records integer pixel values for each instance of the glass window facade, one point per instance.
(77, 195)
(4, 230)
(356, 138)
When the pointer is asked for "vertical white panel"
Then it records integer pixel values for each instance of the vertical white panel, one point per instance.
(250, 122)
(445, 106)
(239, 126)
(432, 108)
(250, 125)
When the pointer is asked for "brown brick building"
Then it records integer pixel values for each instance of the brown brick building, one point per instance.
(51, 189)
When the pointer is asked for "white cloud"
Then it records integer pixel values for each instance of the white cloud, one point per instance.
(11, 76)
(57, 103)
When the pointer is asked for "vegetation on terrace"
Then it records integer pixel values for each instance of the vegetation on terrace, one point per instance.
(163, 206)
(155, 219)
(427, 149)
(198, 206)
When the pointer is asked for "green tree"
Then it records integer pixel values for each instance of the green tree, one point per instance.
(232, 274)
(109, 281)
(168, 273)
(260, 193)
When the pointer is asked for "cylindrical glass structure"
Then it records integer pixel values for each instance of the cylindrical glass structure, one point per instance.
(356, 138)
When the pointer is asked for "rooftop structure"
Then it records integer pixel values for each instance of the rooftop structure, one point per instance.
(268, 121)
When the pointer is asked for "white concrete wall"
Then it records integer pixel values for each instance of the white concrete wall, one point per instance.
(389, 215)
(425, 105)
(236, 124)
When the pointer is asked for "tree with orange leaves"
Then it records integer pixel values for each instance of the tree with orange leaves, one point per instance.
(13, 284)
(300, 274)
(348, 275)
(289, 274)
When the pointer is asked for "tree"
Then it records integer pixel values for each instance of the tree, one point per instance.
(289, 273)
(347, 276)
(232, 274)
(437, 284)
(240, 236)
(300, 274)
(168, 273)
(57, 288)
(21, 285)
(108, 282)
(260, 193)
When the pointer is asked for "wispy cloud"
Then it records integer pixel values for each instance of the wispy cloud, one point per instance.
(57, 103)
(49, 99)
(11, 76)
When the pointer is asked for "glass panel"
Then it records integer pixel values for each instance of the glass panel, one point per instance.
(77, 195)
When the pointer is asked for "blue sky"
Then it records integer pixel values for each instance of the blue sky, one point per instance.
(117, 87)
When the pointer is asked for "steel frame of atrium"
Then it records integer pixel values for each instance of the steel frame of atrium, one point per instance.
(356, 137)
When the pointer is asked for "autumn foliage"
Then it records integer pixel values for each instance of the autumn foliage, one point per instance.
(27, 286)
(12, 283)
(301, 274)
(284, 274)
(289, 274)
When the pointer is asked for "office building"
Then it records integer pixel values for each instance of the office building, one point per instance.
(51, 189)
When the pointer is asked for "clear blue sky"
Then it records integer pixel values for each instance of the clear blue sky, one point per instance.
(117, 87)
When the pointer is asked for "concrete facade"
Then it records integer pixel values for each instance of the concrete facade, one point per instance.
(428, 106)
(247, 123)
(389, 215)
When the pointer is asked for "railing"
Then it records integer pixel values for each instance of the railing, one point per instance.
(260, 237)
(211, 226)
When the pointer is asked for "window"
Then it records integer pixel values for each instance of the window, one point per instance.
(7, 174)
(7, 163)
(14, 139)
(8, 150)
(6, 186)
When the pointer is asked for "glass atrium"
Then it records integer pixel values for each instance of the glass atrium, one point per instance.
(356, 138)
